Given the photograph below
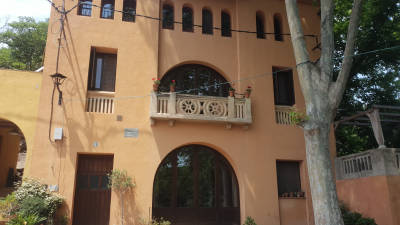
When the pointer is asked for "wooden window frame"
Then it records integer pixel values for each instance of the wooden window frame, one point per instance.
(277, 73)
(207, 21)
(168, 16)
(92, 77)
(187, 20)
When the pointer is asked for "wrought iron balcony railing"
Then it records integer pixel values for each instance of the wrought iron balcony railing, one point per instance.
(172, 107)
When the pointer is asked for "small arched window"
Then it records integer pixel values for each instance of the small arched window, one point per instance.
(226, 24)
(85, 8)
(278, 27)
(207, 22)
(187, 19)
(260, 25)
(168, 17)
(129, 10)
(107, 9)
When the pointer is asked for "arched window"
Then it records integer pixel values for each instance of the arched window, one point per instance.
(196, 79)
(278, 27)
(195, 184)
(207, 21)
(168, 17)
(226, 24)
(129, 10)
(85, 8)
(107, 9)
(187, 19)
(260, 25)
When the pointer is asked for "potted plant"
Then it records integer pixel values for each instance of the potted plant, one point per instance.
(172, 86)
(231, 92)
(156, 83)
(248, 92)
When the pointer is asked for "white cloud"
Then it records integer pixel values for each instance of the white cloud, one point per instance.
(12, 9)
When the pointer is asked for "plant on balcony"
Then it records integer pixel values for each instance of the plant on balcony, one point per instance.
(298, 118)
(156, 83)
(121, 183)
(248, 92)
(249, 221)
(172, 86)
(231, 92)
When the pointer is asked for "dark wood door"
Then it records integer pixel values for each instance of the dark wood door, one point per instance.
(92, 195)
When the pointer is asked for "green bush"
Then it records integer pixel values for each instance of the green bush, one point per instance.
(8, 206)
(249, 221)
(26, 220)
(30, 202)
(354, 218)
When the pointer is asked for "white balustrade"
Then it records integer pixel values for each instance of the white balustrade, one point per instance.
(375, 162)
(282, 115)
(100, 102)
(174, 106)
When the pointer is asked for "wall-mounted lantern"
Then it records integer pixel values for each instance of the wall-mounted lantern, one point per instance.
(58, 79)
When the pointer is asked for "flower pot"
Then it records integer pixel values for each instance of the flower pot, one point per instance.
(231, 93)
(247, 94)
(291, 194)
(155, 87)
(171, 88)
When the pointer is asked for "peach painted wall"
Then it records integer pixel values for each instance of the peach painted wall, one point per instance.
(9, 148)
(144, 51)
(377, 197)
(19, 102)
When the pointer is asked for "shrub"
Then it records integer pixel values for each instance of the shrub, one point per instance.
(8, 206)
(31, 203)
(249, 221)
(161, 221)
(354, 218)
(26, 220)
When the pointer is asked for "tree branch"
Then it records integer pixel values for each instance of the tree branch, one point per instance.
(299, 46)
(327, 40)
(337, 88)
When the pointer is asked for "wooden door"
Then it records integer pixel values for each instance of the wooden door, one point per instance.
(92, 195)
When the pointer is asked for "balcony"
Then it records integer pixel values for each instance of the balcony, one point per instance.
(282, 114)
(181, 107)
(100, 102)
(376, 162)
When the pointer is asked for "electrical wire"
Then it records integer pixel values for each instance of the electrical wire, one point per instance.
(242, 79)
(175, 22)
(217, 28)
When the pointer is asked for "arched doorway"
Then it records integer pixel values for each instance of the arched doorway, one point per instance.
(195, 185)
(196, 79)
(12, 156)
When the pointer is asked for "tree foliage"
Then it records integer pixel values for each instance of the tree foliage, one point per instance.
(22, 44)
(374, 77)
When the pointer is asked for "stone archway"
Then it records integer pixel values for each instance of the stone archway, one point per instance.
(12, 155)
(196, 185)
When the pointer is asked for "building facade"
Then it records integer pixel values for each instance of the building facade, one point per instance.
(197, 156)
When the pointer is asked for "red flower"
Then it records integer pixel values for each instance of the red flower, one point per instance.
(153, 78)
(173, 81)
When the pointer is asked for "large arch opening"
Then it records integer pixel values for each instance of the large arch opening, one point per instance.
(196, 185)
(12, 156)
(196, 79)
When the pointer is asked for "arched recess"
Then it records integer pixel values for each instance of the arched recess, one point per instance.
(196, 79)
(12, 155)
(278, 30)
(195, 184)
(260, 24)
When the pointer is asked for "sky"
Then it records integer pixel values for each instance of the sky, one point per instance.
(11, 9)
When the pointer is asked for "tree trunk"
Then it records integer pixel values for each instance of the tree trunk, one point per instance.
(322, 96)
(122, 208)
(322, 182)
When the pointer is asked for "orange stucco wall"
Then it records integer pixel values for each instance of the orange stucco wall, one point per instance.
(144, 51)
(9, 148)
(377, 197)
(19, 101)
